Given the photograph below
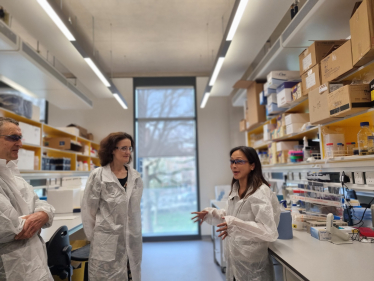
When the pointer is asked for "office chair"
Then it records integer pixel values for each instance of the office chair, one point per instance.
(59, 254)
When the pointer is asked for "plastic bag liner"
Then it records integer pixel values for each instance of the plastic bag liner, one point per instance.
(13, 103)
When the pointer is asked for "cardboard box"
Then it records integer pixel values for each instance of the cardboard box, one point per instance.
(296, 118)
(284, 93)
(315, 53)
(242, 125)
(30, 134)
(318, 104)
(286, 145)
(267, 129)
(272, 151)
(362, 33)
(90, 136)
(82, 131)
(311, 79)
(256, 112)
(280, 132)
(320, 233)
(35, 113)
(281, 120)
(272, 98)
(282, 156)
(349, 100)
(293, 128)
(63, 144)
(70, 130)
(337, 63)
(26, 159)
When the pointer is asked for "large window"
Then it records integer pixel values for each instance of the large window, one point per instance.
(166, 155)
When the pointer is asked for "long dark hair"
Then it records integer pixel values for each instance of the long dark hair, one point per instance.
(255, 178)
(108, 145)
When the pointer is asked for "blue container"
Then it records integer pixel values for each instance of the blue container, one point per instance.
(285, 226)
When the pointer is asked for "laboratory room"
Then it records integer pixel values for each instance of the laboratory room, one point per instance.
(199, 140)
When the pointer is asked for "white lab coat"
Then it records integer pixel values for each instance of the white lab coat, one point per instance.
(20, 259)
(252, 223)
(112, 222)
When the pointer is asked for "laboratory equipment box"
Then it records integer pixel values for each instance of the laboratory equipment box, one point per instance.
(296, 118)
(276, 78)
(311, 79)
(30, 134)
(284, 93)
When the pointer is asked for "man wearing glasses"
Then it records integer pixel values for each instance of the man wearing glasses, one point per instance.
(22, 215)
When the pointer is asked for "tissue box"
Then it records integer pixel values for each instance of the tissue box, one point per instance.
(293, 128)
(284, 93)
(272, 98)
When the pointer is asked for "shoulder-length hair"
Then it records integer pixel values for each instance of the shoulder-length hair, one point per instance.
(255, 177)
(109, 144)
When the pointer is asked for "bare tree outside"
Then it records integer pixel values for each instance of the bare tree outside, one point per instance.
(166, 151)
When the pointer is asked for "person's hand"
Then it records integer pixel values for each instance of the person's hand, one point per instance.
(33, 224)
(223, 229)
(199, 216)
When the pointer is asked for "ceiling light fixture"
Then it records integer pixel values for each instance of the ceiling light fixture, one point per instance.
(56, 19)
(120, 101)
(216, 71)
(205, 100)
(97, 71)
(237, 18)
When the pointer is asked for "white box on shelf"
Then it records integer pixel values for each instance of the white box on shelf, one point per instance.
(276, 78)
(64, 200)
(31, 134)
(272, 98)
(296, 118)
(267, 129)
(70, 130)
(26, 159)
(35, 113)
(284, 93)
(293, 128)
(286, 145)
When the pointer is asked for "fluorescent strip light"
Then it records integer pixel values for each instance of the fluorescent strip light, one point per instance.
(56, 19)
(216, 71)
(238, 16)
(120, 101)
(97, 71)
(205, 100)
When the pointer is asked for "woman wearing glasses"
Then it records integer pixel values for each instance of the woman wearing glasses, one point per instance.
(111, 213)
(249, 221)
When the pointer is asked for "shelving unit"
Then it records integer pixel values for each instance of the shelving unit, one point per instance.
(41, 150)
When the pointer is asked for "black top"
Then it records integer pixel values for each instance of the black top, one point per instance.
(123, 181)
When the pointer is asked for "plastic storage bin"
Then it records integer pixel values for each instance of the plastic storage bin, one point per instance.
(329, 150)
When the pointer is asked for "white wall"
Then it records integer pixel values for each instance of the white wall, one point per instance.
(214, 145)
(218, 131)
(107, 115)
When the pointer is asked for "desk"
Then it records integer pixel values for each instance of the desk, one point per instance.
(311, 259)
(73, 225)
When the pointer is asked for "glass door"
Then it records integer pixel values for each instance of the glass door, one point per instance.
(166, 156)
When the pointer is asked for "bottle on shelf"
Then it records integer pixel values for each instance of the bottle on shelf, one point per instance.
(362, 137)
(80, 166)
(370, 145)
(330, 150)
(92, 165)
(349, 148)
(340, 149)
(306, 149)
(85, 166)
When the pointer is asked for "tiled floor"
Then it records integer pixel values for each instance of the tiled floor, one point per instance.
(180, 261)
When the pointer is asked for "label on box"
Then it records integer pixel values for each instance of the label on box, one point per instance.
(323, 88)
(310, 80)
(307, 61)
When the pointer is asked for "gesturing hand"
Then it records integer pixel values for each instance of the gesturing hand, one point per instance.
(33, 224)
(199, 216)
(223, 229)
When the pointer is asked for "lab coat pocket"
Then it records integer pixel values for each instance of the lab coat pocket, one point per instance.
(104, 247)
(25, 261)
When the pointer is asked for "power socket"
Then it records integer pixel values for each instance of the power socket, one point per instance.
(359, 177)
(369, 178)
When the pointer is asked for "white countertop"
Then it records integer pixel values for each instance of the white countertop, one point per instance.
(322, 260)
(72, 224)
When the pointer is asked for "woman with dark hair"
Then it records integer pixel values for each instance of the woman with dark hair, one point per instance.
(111, 213)
(250, 220)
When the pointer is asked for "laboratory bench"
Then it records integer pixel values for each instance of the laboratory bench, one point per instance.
(73, 221)
(307, 258)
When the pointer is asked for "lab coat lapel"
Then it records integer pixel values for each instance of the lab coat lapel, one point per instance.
(132, 175)
(7, 174)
